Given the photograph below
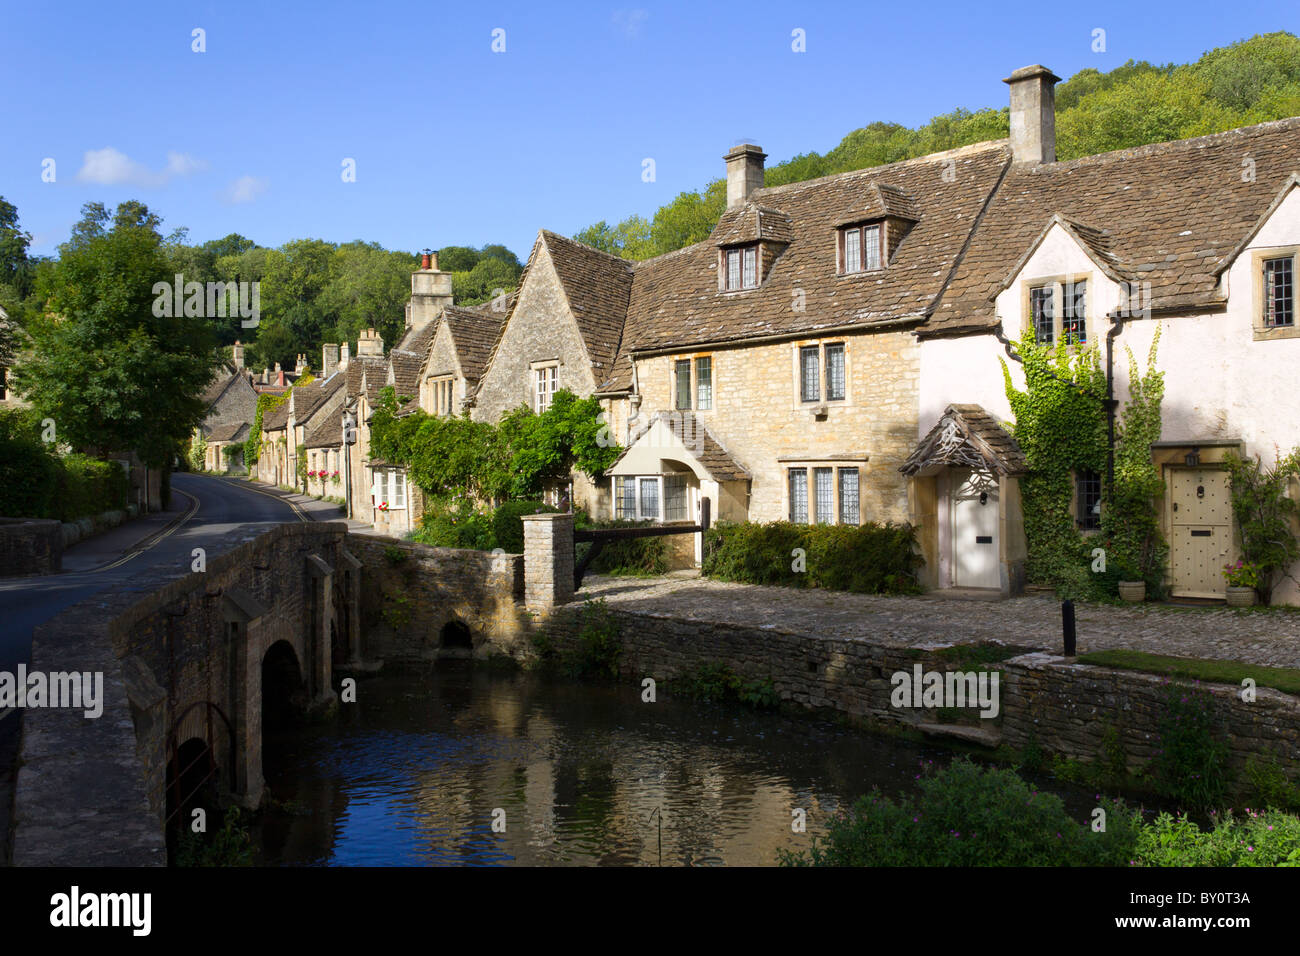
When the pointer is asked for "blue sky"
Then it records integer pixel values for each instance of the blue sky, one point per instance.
(455, 144)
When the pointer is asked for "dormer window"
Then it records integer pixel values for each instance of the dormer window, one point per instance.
(740, 268)
(1058, 312)
(860, 248)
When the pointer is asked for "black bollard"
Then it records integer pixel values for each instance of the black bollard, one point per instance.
(1067, 626)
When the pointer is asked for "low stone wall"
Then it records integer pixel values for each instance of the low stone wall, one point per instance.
(410, 592)
(1063, 707)
(83, 528)
(91, 792)
(30, 546)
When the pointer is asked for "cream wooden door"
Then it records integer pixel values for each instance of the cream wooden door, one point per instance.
(975, 531)
(1200, 524)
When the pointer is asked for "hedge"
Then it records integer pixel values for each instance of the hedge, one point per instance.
(636, 556)
(36, 483)
(870, 558)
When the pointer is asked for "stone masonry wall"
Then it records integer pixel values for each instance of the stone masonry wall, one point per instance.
(758, 417)
(1064, 707)
(410, 591)
(30, 546)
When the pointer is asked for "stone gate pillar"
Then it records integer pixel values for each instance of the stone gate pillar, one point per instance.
(548, 560)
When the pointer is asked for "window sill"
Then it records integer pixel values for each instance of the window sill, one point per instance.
(860, 273)
(1263, 334)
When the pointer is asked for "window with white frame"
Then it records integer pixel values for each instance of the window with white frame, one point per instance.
(652, 497)
(442, 394)
(826, 494)
(545, 384)
(390, 489)
(859, 247)
(813, 385)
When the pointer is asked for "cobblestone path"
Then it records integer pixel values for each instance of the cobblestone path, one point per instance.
(1258, 637)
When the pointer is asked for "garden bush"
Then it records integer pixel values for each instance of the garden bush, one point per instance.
(636, 556)
(460, 527)
(1259, 838)
(967, 815)
(870, 558)
(508, 524)
(88, 486)
(1191, 765)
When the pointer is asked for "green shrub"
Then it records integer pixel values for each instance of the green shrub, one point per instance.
(1269, 838)
(462, 527)
(1191, 765)
(1269, 784)
(508, 524)
(88, 486)
(637, 556)
(967, 815)
(598, 646)
(870, 558)
(715, 681)
(28, 470)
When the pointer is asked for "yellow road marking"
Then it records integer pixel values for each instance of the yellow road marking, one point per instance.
(248, 486)
(156, 539)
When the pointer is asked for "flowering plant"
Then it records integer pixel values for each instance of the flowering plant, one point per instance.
(383, 506)
(334, 477)
(1243, 574)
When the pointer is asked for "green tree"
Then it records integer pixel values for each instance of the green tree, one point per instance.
(113, 375)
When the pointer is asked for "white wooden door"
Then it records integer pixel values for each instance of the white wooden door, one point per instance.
(1200, 525)
(975, 530)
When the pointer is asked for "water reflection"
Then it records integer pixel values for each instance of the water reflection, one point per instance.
(412, 775)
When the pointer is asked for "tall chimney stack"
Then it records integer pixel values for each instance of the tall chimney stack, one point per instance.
(237, 355)
(329, 360)
(300, 365)
(345, 355)
(430, 293)
(744, 172)
(1033, 114)
(371, 343)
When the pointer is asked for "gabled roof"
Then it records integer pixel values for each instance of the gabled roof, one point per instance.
(474, 333)
(696, 441)
(310, 398)
(1291, 183)
(597, 286)
(404, 372)
(326, 433)
(966, 436)
(1096, 244)
(1173, 213)
(234, 431)
(221, 381)
(357, 365)
(675, 300)
(880, 200)
(752, 222)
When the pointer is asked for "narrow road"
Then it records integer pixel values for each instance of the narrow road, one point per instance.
(206, 512)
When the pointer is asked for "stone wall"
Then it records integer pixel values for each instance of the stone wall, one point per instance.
(758, 417)
(30, 546)
(195, 639)
(410, 592)
(1063, 707)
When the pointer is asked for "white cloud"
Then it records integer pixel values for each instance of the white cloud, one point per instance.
(110, 167)
(630, 21)
(245, 189)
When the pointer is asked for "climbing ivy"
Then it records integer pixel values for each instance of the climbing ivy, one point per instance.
(1060, 424)
(265, 403)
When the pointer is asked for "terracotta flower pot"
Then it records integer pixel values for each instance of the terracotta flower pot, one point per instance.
(1133, 591)
(1241, 597)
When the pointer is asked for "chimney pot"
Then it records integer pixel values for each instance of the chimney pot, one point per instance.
(426, 260)
(744, 172)
(1033, 114)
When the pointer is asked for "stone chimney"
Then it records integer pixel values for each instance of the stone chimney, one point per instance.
(266, 375)
(744, 172)
(279, 375)
(237, 355)
(345, 355)
(1033, 114)
(301, 365)
(329, 360)
(430, 291)
(370, 343)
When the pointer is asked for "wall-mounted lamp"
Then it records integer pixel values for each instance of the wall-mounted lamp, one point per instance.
(1193, 458)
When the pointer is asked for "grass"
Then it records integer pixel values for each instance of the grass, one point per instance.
(1285, 679)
